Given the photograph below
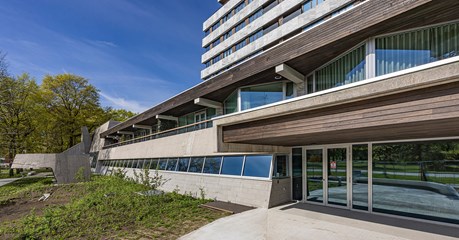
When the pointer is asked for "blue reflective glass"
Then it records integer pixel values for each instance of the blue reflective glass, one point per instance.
(196, 164)
(212, 165)
(232, 165)
(162, 164)
(183, 164)
(257, 166)
(256, 96)
(171, 164)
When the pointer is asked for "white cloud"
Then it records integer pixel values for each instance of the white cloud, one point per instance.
(130, 105)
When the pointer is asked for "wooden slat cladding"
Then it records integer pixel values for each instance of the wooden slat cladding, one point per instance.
(309, 50)
(356, 121)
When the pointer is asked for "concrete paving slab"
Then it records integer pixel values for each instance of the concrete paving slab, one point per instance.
(293, 223)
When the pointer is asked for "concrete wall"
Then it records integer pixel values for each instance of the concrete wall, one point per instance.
(275, 35)
(197, 143)
(66, 165)
(34, 161)
(281, 191)
(249, 192)
(97, 141)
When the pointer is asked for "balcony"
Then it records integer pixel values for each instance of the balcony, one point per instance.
(170, 132)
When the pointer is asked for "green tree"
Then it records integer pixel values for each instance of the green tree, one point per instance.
(119, 115)
(70, 102)
(18, 109)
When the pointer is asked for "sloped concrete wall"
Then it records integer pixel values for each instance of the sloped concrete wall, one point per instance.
(66, 166)
(245, 191)
(35, 161)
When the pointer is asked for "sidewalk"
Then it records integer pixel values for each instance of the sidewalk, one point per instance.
(301, 224)
(7, 180)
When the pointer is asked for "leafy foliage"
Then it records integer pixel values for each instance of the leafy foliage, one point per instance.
(48, 118)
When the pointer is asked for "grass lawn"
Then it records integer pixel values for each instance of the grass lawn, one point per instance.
(104, 208)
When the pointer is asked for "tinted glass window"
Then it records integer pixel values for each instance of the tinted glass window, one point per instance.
(256, 96)
(280, 166)
(257, 166)
(162, 164)
(171, 164)
(154, 164)
(417, 179)
(212, 165)
(196, 164)
(183, 164)
(232, 165)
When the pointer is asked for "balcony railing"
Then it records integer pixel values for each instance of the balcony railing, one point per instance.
(170, 132)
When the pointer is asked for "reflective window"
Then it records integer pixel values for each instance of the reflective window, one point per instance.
(183, 164)
(216, 59)
(171, 164)
(280, 166)
(196, 164)
(162, 164)
(212, 165)
(134, 164)
(227, 52)
(289, 90)
(360, 177)
(230, 104)
(410, 49)
(257, 166)
(256, 96)
(232, 165)
(241, 44)
(256, 15)
(417, 179)
(346, 69)
(216, 42)
(240, 26)
(256, 36)
(239, 7)
(154, 164)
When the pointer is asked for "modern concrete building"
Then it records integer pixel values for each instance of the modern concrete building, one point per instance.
(341, 103)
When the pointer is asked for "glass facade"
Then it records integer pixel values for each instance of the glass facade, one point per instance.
(280, 169)
(183, 164)
(314, 173)
(212, 165)
(410, 49)
(257, 166)
(417, 179)
(232, 165)
(230, 104)
(256, 96)
(240, 165)
(346, 69)
(196, 164)
(360, 177)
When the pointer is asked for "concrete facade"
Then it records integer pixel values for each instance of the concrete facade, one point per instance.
(277, 34)
(69, 166)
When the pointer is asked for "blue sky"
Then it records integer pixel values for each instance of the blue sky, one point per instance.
(137, 53)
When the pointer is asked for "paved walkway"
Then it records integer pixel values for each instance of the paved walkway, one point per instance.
(7, 180)
(301, 224)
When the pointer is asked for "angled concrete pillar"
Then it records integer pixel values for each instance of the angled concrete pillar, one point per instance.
(165, 117)
(291, 74)
(210, 103)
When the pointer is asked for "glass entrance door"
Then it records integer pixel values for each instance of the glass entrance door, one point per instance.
(337, 187)
(327, 176)
(314, 176)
